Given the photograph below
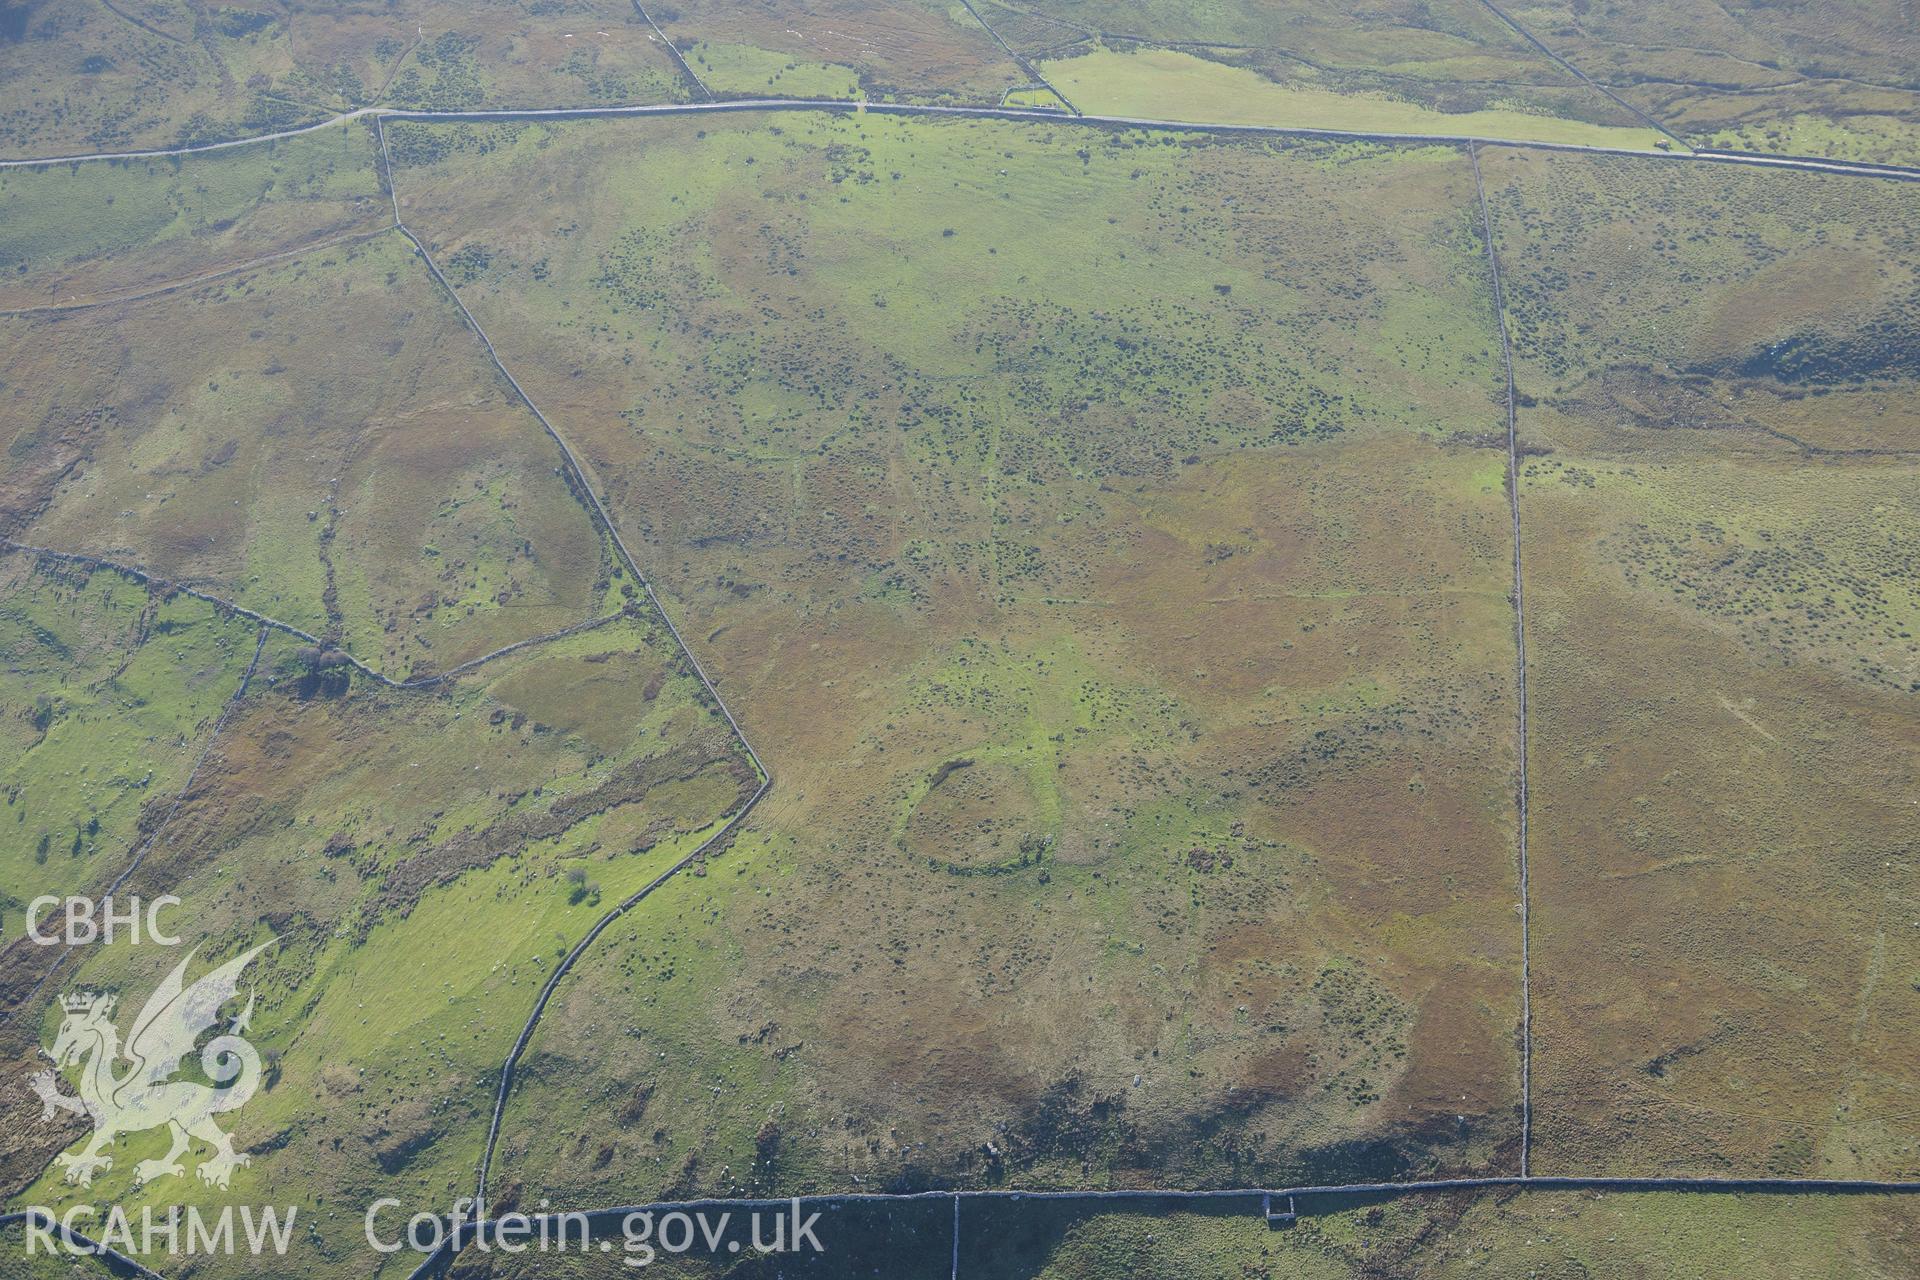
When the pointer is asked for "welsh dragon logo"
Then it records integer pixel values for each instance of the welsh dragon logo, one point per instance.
(143, 1095)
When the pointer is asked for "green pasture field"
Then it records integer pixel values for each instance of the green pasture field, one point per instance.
(1173, 84)
(1448, 68)
(746, 70)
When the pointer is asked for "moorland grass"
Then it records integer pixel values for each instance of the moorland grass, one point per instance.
(1718, 437)
(1057, 454)
(1453, 1236)
(1879, 139)
(322, 441)
(86, 78)
(911, 51)
(1769, 76)
(1160, 477)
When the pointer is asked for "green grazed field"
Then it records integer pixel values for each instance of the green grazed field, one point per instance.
(740, 68)
(1449, 68)
(1166, 84)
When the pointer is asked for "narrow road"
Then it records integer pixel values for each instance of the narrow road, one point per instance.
(156, 153)
(1894, 173)
(174, 286)
(478, 1226)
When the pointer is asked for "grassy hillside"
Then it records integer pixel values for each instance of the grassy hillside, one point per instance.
(320, 440)
(1104, 534)
(1042, 506)
(416, 902)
